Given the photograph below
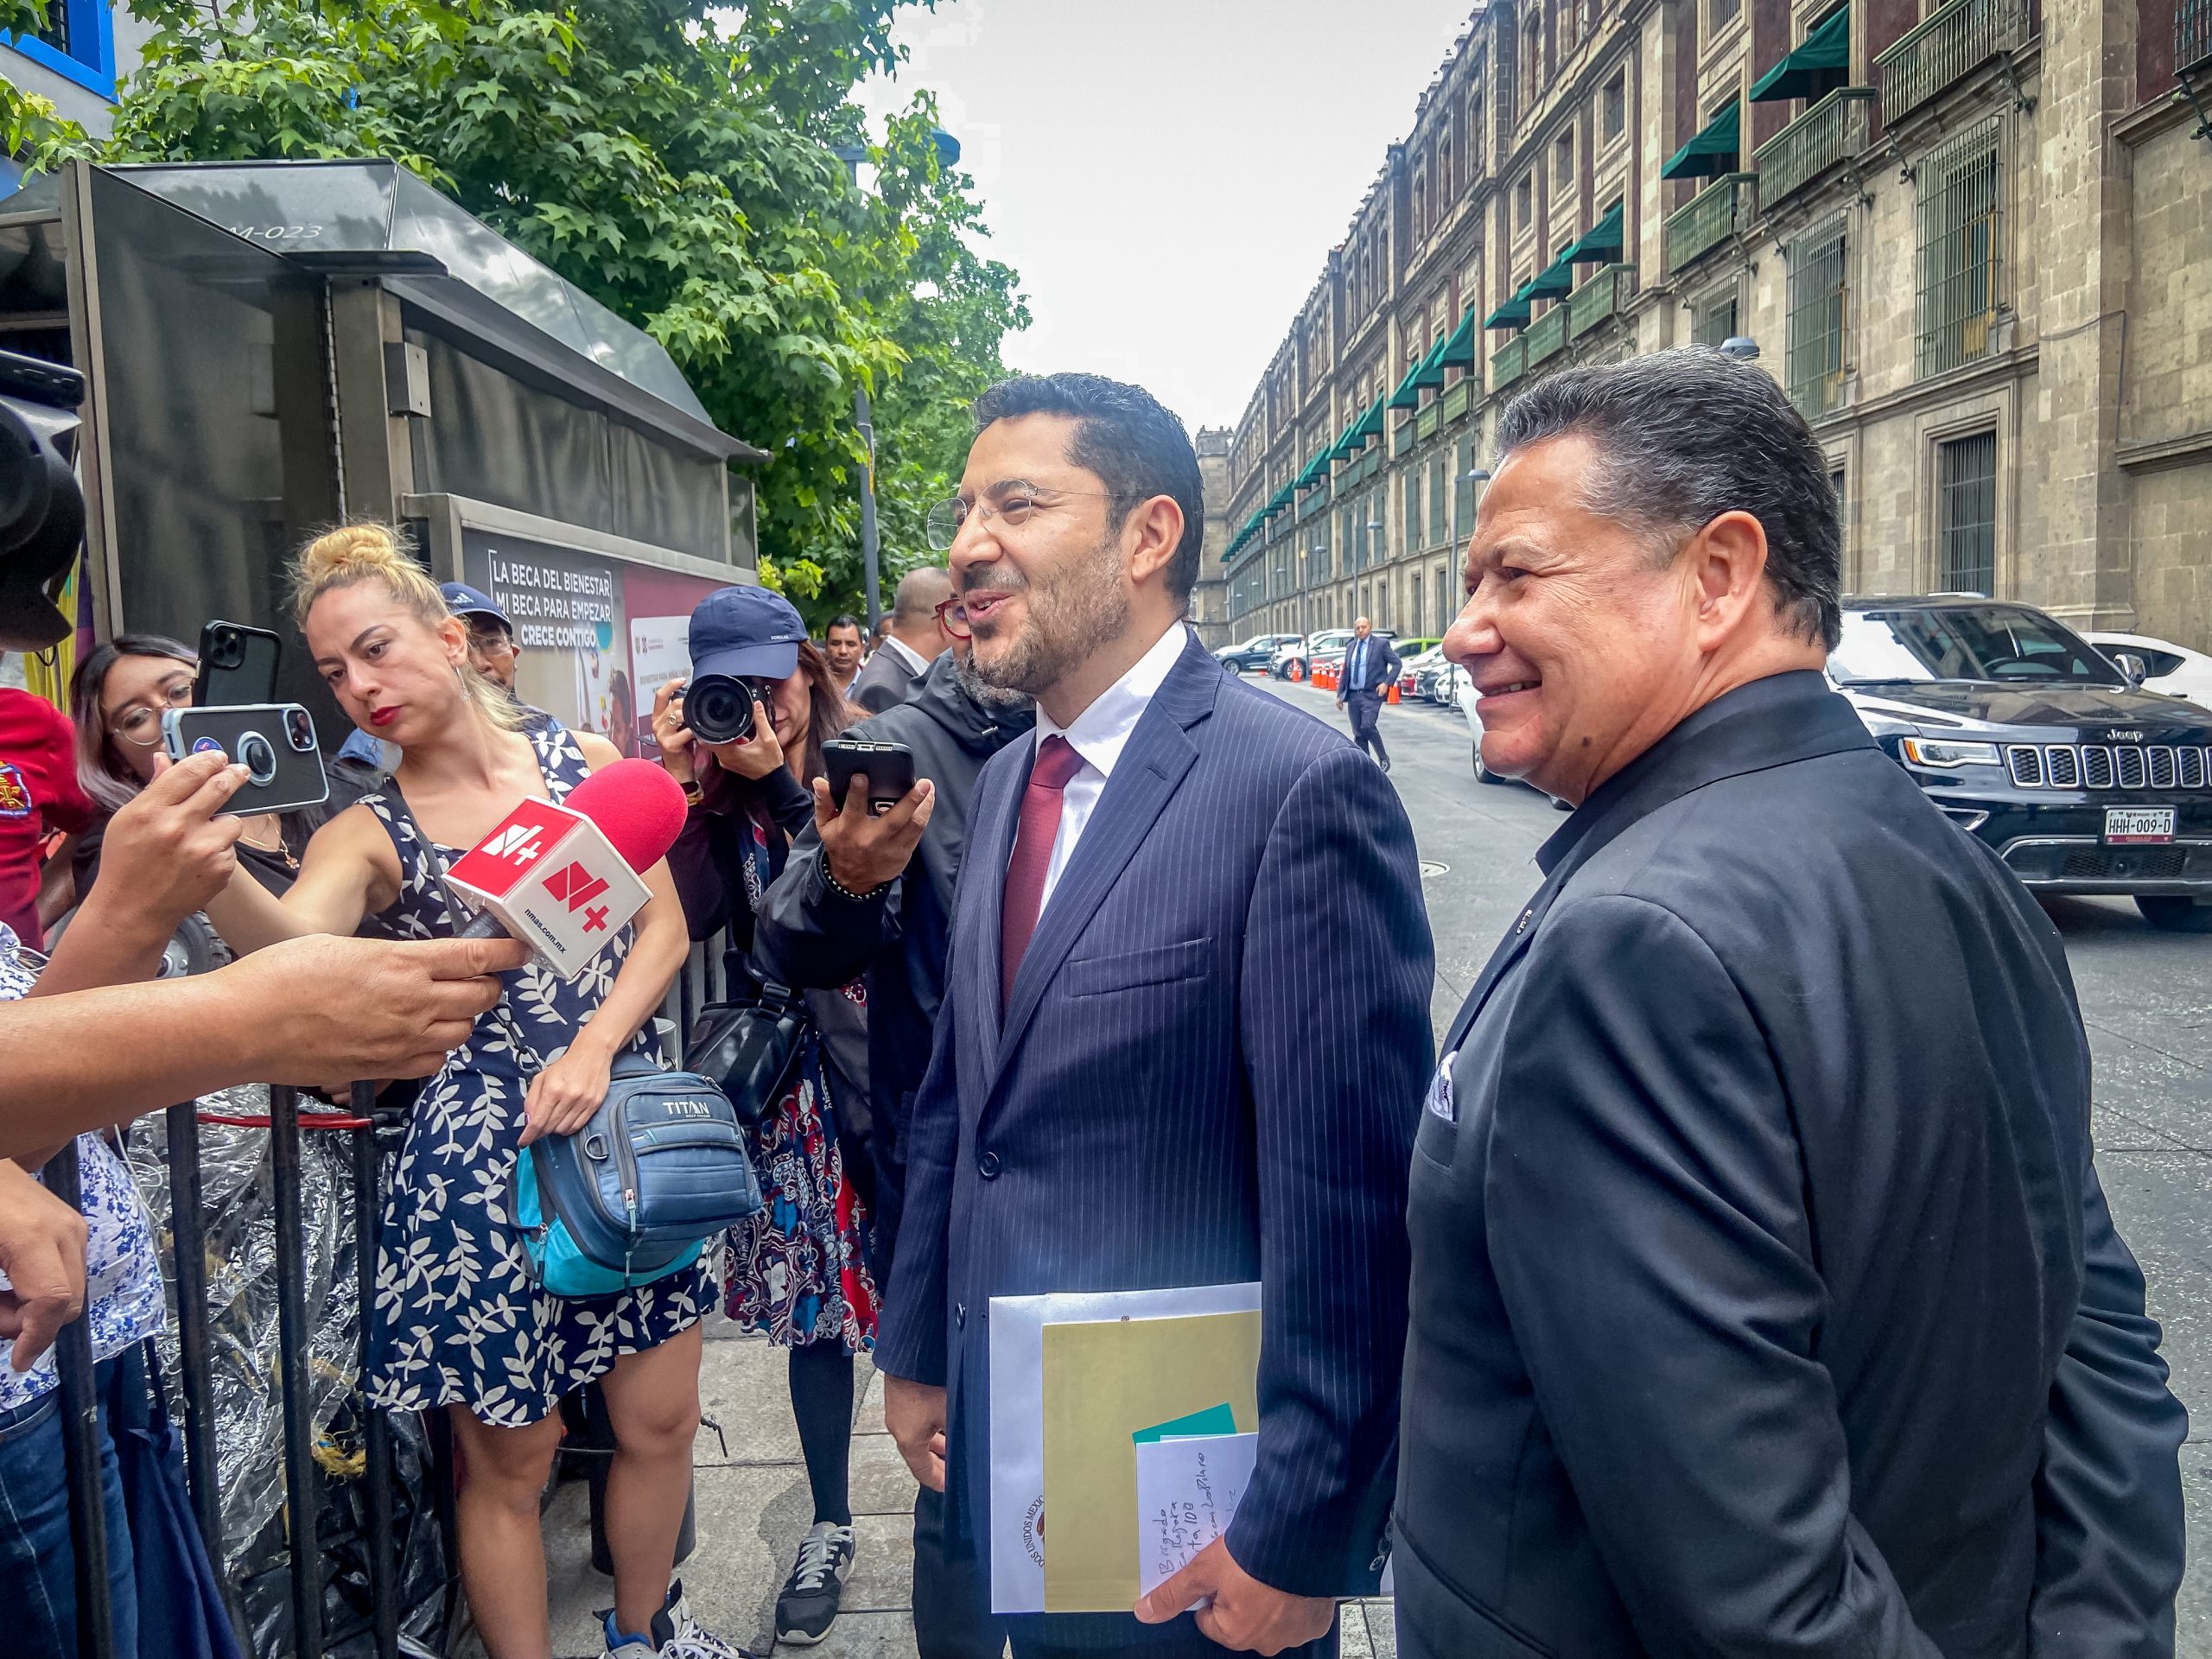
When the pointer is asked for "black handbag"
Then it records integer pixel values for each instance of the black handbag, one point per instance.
(751, 1047)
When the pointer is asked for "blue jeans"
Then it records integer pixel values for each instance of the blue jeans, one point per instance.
(38, 1571)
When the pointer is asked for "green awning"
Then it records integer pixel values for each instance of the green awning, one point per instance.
(1315, 471)
(1601, 243)
(1554, 282)
(1277, 502)
(1430, 373)
(1370, 425)
(1718, 149)
(1514, 313)
(1347, 441)
(1820, 65)
(1408, 396)
(1458, 351)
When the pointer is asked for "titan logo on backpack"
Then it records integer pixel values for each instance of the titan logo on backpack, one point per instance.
(552, 879)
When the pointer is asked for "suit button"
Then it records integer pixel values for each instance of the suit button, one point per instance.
(987, 1165)
(960, 1315)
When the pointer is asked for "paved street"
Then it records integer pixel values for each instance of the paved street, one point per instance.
(2145, 996)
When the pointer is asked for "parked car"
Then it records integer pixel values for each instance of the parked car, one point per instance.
(1464, 693)
(1333, 656)
(1413, 652)
(2030, 738)
(1442, 683)
(1300, 655)
(1257, 652)
(2174, 670)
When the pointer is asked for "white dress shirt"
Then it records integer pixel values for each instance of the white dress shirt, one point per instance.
(1098, 736)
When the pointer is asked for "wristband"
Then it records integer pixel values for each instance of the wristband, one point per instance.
(844, 892)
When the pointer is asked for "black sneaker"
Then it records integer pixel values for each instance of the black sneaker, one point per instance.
(808, 1606)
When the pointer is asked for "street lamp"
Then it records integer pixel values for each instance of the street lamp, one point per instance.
(948, 153)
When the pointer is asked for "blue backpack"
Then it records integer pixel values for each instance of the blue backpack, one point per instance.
(636, 1193)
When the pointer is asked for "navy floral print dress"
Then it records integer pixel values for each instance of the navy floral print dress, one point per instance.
(457, 1318)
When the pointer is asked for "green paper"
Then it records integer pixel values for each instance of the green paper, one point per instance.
(1214, 1420)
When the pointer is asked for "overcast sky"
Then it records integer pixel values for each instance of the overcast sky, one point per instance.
(1169, 175)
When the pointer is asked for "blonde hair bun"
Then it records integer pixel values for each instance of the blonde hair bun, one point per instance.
(349, 553)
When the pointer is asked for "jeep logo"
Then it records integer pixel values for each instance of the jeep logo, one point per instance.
(2125, 737)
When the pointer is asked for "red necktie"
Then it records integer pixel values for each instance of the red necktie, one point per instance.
(1033, 855)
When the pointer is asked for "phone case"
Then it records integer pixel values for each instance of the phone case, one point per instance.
(275, 740)
(889, 766)
(238, 666)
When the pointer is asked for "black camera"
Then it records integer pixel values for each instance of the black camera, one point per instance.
(42, 510)
(718, 707)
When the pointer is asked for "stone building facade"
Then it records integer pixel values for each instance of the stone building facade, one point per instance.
(1209, 612)
(1973, 238)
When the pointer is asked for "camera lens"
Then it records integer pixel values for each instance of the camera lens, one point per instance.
(719, 709)
(258, 757)
(229, 648)
(299, 727)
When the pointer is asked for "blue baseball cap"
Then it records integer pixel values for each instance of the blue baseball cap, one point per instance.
(746, 632)
(465, 601)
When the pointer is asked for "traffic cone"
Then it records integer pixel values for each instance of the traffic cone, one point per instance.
(1297, 673)
(1394, 692)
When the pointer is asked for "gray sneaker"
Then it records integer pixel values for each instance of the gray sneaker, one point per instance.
(808, 1606)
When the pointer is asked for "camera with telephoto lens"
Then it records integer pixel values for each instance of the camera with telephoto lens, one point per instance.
(41, 509)
(718, 707)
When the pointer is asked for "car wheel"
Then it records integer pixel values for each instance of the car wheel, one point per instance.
(1483, 773)
(2176, 913)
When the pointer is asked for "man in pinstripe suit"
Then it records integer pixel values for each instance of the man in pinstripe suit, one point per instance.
(1145, 1075)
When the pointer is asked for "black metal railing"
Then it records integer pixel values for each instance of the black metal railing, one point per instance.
(702, 980)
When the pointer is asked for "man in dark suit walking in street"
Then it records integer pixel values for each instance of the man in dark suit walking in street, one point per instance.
(1765, 1297)
(1130, 1086)
(1370, 669)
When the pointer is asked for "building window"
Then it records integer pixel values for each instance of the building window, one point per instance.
(1562, 162)
(1570, 26)
(1816, 301)
(77, 42)
(1965, 508)
(1843, 512)
(1413, 508)
(1532, 50)
(1616, 105)
(1960, 188)
(1713, 322)
(1524, 202)
(1475, 149)
(1463, 492)
(1436, 500)
(1718, 13)
(1417, 614)
(1447, 186)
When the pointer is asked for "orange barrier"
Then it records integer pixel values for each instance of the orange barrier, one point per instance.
(1394, 692)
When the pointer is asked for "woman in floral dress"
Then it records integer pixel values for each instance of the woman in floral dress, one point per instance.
(799, 1270)
(459, 1322)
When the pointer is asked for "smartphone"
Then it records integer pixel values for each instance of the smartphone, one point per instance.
(889, 766)
(274, 741)
(238, 664)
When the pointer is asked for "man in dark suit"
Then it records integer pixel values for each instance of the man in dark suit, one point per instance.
(1143, 1076)
(912, 641)
(1765, 1298)
(1370, 669)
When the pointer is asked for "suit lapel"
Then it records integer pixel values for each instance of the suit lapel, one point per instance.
(1159, 751)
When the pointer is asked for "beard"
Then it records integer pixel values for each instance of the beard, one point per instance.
(1069, 615)
(981, 690)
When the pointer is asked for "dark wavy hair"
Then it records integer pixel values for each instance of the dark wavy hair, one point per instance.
(100, 770)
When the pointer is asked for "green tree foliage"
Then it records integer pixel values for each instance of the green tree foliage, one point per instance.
(675, 160)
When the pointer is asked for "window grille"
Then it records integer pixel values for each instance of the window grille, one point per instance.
(1961, 204)
(1616, 105)
(1413, 508)
(1436, 500)
(1719, 13)
(1817, 295)
(1463, 492)
(1966, 484)
(1714, 322)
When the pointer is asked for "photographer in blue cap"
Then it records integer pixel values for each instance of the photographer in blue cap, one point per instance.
(743, 734)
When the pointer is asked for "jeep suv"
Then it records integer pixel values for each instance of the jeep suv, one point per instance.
(2030, 739)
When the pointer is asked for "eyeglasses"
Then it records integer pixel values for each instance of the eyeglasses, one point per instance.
(141, 725)
(1012, 510)
(952, 617)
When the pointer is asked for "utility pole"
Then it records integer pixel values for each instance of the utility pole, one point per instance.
(869, 556)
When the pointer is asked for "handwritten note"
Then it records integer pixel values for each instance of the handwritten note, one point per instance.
(1187, 1490)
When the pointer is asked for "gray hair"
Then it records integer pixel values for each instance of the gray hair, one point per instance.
(1685, 436)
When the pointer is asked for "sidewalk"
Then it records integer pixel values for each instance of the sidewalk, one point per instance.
(753, 1508)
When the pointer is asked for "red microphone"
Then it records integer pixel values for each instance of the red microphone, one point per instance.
(564, 880)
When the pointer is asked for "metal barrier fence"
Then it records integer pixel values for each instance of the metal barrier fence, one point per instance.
(701, 982)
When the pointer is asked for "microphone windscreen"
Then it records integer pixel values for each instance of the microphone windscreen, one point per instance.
(637, 806)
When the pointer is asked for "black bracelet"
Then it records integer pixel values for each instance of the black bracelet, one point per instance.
(844, 892)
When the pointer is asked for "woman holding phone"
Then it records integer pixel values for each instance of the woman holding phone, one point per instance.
(460, 1325)
(798, 1271)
